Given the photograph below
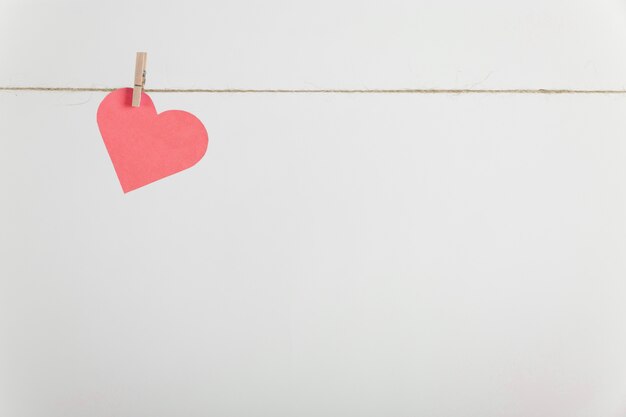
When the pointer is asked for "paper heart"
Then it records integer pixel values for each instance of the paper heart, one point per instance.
(145, 146)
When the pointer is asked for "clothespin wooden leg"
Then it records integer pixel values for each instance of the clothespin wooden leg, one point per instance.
(140, 77)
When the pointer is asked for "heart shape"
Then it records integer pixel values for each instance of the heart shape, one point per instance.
(145, 146)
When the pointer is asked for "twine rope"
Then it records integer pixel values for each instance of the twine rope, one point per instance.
(322, 91)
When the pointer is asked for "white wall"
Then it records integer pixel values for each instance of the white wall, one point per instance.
(332, 255)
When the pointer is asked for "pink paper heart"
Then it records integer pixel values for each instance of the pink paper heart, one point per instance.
(145, 146)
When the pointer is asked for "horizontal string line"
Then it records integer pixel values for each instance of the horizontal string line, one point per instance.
(324, 91)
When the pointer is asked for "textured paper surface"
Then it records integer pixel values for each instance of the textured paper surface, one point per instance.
(145, 146)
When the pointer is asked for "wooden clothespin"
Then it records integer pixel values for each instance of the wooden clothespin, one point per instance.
(140, 77)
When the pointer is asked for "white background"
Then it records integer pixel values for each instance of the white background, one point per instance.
(332, 255)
